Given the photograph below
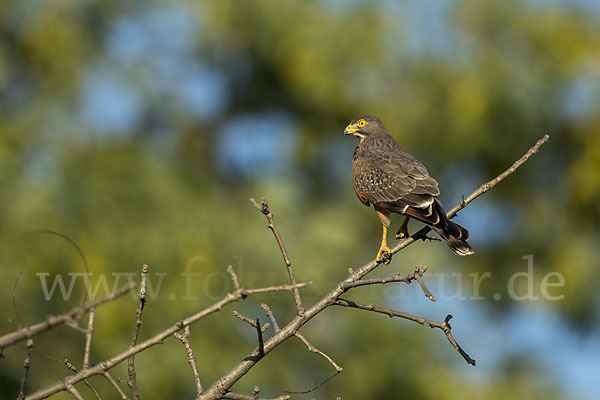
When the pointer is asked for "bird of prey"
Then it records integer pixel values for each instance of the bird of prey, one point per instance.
(385, 175)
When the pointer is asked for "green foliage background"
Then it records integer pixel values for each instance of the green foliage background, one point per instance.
(140, 130)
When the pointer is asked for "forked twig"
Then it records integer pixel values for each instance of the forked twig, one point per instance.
(444, 326)
(191, 357)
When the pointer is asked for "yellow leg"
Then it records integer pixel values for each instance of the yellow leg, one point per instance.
(403, 231)
(384, 254)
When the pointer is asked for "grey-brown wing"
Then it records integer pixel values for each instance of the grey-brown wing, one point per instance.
(391, 175)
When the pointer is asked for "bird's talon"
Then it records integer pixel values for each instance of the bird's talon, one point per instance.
(401, 235)
(384, 255)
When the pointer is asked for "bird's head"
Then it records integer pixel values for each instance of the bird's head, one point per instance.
(365, 126)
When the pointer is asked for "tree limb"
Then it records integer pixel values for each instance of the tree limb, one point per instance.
(105, 365)
(51, 321)
(444, 326)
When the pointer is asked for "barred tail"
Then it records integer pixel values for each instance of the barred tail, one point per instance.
(455, 237)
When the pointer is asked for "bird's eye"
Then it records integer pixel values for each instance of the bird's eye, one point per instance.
(362, 123)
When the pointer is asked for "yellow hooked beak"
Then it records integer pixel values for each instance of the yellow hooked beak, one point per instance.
(350, 129)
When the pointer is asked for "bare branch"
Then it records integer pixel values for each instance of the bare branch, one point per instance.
(241, 316)
(221, 385)
(73, 392)
(417, 275)
(488, 185)
(94, 391)
(26, 367)
(421, 234)
(278, 288)
(261, 345)
(132, 383)
(315, 350)
(52, 321)
(239, 396)
(234, 278)
(88, 337)
(250, 321)
(256, 324)
(444, 326)
(419, 278)
(114, 384)
(105, 365)
(270, 315)
(73, 368)
(314, 387)
(185, 340)
(264, 208)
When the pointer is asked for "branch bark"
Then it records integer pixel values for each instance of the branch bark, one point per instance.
(132, 382)
(88, 337)
(26, 367)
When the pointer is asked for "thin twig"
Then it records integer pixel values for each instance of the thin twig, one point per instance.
(313, 387)
(132, 383)
(185, 340)
(89, 385)
(73, 392)
(77, 248)
(488, 185)
(417, 275)
(234, 278)
(88, 337)
(256, 324)
(71, 367)
(261, 344)
(250, 321)
(264, 208)
(114, 384)
(239, 396)
(444, 326)
(270, 315)
(105, 365)
(315, 350)
(52, 321)
(478, 192)
(419, 278)
(26, 367)
(221, 385)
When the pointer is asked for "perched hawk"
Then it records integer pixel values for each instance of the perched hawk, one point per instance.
(394, 181)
